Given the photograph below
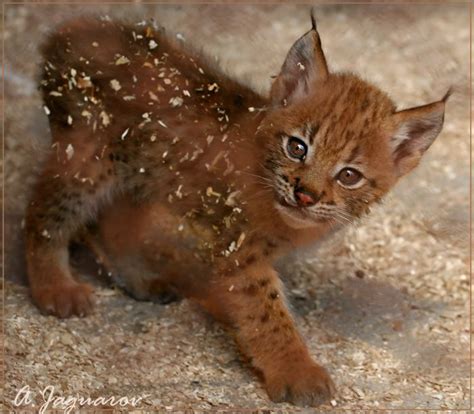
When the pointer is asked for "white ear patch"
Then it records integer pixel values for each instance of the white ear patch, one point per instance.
(421, 132)
(400, 136)
(417, 129)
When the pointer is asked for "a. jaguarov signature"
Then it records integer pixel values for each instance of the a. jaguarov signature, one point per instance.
(50, 399)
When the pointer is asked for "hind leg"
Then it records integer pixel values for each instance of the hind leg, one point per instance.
(143, 262)
(131, 272)
(150, 288)
(66, 195)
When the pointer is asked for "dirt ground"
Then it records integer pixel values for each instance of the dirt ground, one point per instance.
(384, 305)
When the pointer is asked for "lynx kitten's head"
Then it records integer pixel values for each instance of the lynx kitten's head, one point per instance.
(335, 143)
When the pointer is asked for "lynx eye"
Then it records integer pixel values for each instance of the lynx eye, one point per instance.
(296, 148)
(349, 177)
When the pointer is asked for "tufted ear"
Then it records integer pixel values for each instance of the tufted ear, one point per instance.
(304, 64)
(416, 130)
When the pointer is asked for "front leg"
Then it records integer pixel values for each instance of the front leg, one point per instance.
(66, 195)
(253, 304)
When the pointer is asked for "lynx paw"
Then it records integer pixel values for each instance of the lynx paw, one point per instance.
(65, 299)
(309, 385)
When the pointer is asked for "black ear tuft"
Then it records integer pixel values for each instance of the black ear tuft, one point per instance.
(448, 94)
(313, 20)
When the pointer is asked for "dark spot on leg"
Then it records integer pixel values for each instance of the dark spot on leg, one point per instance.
(250, 290)
(251, 259)
(265, 317)
(286, 327)
(273, 295)
(263, 282)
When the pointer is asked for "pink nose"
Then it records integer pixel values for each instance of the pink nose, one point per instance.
(305, 198)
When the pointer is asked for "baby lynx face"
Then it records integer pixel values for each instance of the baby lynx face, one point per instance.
(335, 143)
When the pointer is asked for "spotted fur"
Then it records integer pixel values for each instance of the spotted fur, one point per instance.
(187, 175)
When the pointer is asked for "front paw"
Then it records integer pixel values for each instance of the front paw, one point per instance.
(64, 299)
(306, 384)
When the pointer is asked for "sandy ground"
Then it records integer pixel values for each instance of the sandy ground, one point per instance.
(384, 305)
